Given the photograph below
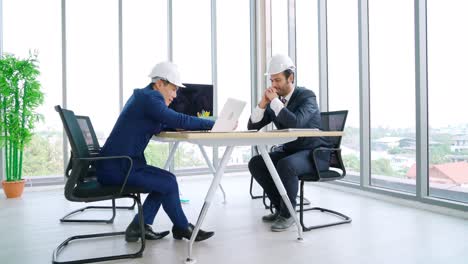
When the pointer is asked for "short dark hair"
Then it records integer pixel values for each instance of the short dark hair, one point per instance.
(288, 73)
(155, 79)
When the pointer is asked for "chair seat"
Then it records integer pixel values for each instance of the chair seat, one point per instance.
(90, 189)
(328, 175)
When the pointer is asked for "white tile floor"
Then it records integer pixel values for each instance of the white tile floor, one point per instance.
(381, 232)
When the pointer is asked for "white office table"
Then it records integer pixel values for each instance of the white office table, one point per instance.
(230, 140)
(170, 157)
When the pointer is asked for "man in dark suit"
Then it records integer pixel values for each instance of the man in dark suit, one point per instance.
(286, 106)
(145, 114)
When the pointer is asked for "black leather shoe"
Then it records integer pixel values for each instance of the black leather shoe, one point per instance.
(187, 233)
(132, 234)
(271, 217)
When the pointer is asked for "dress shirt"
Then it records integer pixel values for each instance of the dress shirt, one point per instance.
(276, 105)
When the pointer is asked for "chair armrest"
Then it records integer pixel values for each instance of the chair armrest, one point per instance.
(324, 149)
(69, 166)
(114, 157)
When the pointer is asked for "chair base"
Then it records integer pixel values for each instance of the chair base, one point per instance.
(65, 219)
(346, 219)
(137, 254)
(263, 196)
(251, 191)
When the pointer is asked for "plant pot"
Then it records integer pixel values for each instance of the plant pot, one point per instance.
(13, 189)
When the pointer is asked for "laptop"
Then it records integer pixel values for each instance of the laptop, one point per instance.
(227, 119)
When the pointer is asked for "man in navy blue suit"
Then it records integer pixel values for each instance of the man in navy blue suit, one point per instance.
(286, 106)
(145, 114)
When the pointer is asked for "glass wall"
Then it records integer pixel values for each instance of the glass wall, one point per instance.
(41, 32)
(144, 35)
(144, 41)
(279, 27)
(343, 77)
(233, 64)
(93, 62)
(447, 83)
(392, 94)
(307, 61)
(192, 53)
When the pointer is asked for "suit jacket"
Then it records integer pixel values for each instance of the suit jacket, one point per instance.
(144, 115)
(301, 112)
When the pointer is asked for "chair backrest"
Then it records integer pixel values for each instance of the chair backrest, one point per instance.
(88, 132)
(79, 149)
(334, 121)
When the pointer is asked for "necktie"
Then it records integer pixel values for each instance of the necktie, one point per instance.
(283, 100)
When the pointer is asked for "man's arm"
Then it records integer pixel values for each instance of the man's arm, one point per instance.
(258, 119)
(258, 125)
(155, 107)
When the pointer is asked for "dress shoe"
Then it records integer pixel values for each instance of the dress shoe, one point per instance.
(187, 233)
(132, 234)
(271, 217)
(282, 224)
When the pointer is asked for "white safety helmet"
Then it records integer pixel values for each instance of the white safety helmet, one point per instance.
(167, 71)
(279, 63)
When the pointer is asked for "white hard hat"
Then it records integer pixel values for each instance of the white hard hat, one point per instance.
(279, 63)
(167, 71)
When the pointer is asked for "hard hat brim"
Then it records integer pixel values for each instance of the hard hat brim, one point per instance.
(271, 73)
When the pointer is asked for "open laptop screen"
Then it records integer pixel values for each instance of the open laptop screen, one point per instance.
(193, 99)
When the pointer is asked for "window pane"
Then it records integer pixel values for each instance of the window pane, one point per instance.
(279, 27)
(35, 25)
(192, 40)
(234, 67)
(307, 45)
(93, 62)
(144, 32)
(343, 77)
(192, 53)
(144, 41)
(448, 124)
(393, 142)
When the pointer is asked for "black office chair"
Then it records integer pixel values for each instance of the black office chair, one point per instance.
(78, 190)
(92, 142)
(331, 121)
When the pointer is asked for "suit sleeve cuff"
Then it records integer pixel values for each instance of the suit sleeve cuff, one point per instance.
(257, 114)
(276, 105)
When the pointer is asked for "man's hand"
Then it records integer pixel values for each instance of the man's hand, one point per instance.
(271, 94)
(268, 95)
(263, 103)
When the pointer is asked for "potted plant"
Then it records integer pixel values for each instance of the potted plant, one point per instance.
(20, 95)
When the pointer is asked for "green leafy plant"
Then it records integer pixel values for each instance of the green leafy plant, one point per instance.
(20, 95)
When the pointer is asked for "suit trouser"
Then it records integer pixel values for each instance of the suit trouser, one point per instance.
(289, 166)
(163, 190)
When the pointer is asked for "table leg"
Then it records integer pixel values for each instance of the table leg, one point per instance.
(170, 157)
(209, 197)
(280, 187)
(212, 169)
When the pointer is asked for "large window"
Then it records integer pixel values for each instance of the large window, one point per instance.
(448, 123)
(93, 62)
(144, 41)
(279, 27)
(392, 82)
(307, 45)
(192, 53)
(35, 25)
(144, 44)
(343, 77)
(234, 67)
